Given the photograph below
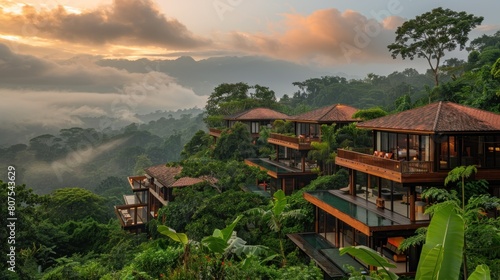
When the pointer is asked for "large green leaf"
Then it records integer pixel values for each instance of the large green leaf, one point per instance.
(228, 231)
(179, 237)
(441, 256)
(434, 259)
(239, 247)
(279, 202)
(482, 272)
(214, 244)
(218, 242)
(367, 255)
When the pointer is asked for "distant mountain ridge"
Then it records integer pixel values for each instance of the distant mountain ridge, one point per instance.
(15, 135)
(204, 75)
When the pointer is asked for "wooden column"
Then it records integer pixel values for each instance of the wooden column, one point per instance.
(316, 220)
(303, 161)
(135, 215)
(368, 185)
(380, 201)
(352, 182)
(337, 233)
(412, 204)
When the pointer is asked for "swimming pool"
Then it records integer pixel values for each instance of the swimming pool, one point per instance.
(361, 214)
(270, 166)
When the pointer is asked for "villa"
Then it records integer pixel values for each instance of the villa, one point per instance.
(382, 204)
(290, 169)
(152, 191)
(254, 118)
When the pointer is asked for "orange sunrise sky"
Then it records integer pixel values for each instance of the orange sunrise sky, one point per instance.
(51, 51)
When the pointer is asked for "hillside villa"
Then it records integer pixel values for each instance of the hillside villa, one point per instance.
(152, 191)
(382, 204)
(290, 169)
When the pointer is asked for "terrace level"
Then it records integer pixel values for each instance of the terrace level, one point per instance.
(294, 142)
(417, 172)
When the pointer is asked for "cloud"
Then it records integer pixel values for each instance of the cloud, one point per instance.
(124, 22)
(325, 36)
(393, 22)
(38, 92)
(78, 74)
(53, 109)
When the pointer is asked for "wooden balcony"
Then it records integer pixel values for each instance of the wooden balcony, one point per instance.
(297, 143)
(132, 216)
(156, 193)
(133, 199)
(215, 132)
(395, 170)
(138, 183)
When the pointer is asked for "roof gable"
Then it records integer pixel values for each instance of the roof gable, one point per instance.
(436, 117)
(257, 114)
(164, 174)
(332, 113)
(189, 181)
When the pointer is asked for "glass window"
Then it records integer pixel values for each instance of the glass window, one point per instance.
(402, 147)
(382, 141)
(255, 127)
(392, 143)
(303, 128)
(424, 154)
(492, 152)
(453, 147)
(469, 150)
(448, 153)
(315, 131)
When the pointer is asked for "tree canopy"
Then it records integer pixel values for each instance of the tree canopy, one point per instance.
(431, 34)
(227, 99)
(235, 143)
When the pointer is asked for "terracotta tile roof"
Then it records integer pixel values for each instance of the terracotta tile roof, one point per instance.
(189, 181)
(258, 114)
(164, 174)
(332, 113)
(438, 117)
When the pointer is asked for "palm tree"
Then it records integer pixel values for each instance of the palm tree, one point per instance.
(441, 255)
(276, 215)
(460, 173)
(323, 151)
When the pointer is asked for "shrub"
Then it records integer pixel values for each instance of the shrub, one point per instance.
(157, 261)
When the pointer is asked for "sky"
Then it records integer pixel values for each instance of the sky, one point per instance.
(48, 48)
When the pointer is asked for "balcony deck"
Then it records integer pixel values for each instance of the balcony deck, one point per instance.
(256, 189)
(325, 254)
(275, 169)
(359, 213)
(293, 142)
(132, 199)
(138, 183)
(131, 216)
(395, 170)
(215, 132)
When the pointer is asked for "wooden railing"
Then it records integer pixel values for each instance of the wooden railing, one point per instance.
(294, 139)
(405, 167)
(410, 167)
(138, 182)
(131, 215)
(215, 130)
(291, 139)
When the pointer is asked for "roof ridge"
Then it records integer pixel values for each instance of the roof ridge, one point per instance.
(332, 107)
(438, 112)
